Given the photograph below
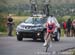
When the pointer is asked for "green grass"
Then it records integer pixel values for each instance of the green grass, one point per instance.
(18, 19)
(62, 32)
(3, 33)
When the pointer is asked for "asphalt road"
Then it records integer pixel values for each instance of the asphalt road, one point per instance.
(10, 46)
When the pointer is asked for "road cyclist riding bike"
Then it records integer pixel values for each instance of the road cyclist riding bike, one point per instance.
(52, 26)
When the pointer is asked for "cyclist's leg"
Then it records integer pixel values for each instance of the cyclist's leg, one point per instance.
(49, 40)
(46, 39)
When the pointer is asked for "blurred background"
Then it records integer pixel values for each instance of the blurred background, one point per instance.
(21, 9)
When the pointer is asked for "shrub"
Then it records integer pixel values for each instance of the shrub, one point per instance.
(2, 23)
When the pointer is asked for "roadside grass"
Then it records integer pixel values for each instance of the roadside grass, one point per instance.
(69, 52)
(3, 33)
(17, 20)
(62, 33)
(73, 52)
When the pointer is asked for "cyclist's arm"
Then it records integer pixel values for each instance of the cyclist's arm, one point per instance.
(57, 24)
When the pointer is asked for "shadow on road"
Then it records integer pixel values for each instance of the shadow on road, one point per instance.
(31, 40)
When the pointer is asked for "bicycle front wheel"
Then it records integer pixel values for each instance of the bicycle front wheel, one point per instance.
(47, 47)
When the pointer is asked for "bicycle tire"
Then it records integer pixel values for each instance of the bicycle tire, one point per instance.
(47, 47)
(48, 44)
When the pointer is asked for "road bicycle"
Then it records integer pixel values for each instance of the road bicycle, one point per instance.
(49, 41)
(51, 38)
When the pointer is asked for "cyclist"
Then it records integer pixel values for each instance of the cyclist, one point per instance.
(69, 22)
(53, 21)
(64, 28)
(73, 28)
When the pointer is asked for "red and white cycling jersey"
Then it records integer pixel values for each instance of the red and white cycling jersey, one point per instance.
(50, 27)
(52, 24)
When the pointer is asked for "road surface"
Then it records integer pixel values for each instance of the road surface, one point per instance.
(10, 46)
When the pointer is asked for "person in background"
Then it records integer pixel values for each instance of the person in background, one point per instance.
(10, 24)
(69, 22)
(73, 28)
(65, 28)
